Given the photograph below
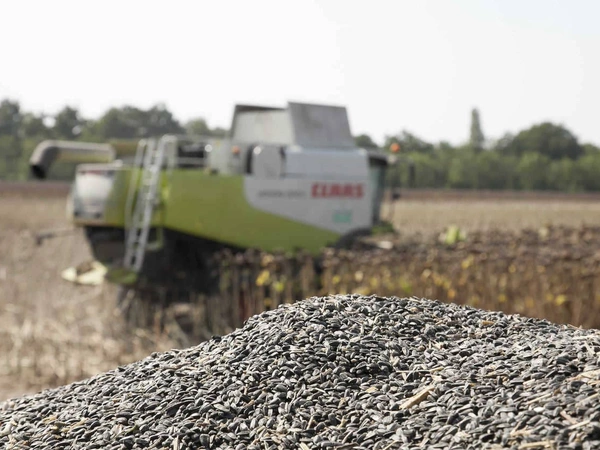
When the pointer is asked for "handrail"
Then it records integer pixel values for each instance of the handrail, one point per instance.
(139, 153)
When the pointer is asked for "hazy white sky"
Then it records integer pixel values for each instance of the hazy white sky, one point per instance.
(417, 65)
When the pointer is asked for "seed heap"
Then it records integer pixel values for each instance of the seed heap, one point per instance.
(550, 273)
(338, 372)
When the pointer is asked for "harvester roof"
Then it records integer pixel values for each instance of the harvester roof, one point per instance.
(303, 124)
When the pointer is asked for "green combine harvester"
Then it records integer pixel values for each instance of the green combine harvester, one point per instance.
(284, 179)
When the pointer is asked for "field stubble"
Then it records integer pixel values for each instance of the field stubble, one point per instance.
(413, 215)
(54, 332)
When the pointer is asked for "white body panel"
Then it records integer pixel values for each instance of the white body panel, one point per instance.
(320, 125)
(91, 189)
(335, 205)
(337, 164)
(220, 155)
(267, 162)
(308, 125)
(273, 127)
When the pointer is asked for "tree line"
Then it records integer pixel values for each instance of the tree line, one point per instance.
(546, 156)
(21, 131)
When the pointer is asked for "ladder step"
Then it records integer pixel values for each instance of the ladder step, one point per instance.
(147, 198)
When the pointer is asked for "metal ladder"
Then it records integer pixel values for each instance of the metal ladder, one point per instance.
(149, 157)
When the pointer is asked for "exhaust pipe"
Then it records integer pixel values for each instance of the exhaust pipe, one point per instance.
(47, 152)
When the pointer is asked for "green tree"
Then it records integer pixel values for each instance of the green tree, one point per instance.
(477, 139)
(409, 143)
(364, 141)
(160, 120)
(444, 147)
(429, 171)
(129, 122)
(33, 126)
(122, 123)
(590, 149)
(197, 127)
(495, 171)
(68, 123)
(219, 132)
(10, 154)
(10, 118)
(463, 170)
(548, 139)
(587, 171)
(532, 171)
(562, 175)
(504, 145)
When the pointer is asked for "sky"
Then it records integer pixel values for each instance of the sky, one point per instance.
(419, 66)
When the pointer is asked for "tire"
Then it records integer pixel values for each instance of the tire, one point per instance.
(346, 241)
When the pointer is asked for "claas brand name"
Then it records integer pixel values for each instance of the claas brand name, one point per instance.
(327, 190)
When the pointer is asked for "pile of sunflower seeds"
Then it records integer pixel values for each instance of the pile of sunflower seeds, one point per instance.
(342, 372)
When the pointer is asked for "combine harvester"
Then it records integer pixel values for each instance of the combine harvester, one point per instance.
(284, 179)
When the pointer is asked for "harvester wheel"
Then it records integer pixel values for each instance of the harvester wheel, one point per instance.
(347, 240)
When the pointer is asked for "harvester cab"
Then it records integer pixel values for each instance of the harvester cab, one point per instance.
(283, 179)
